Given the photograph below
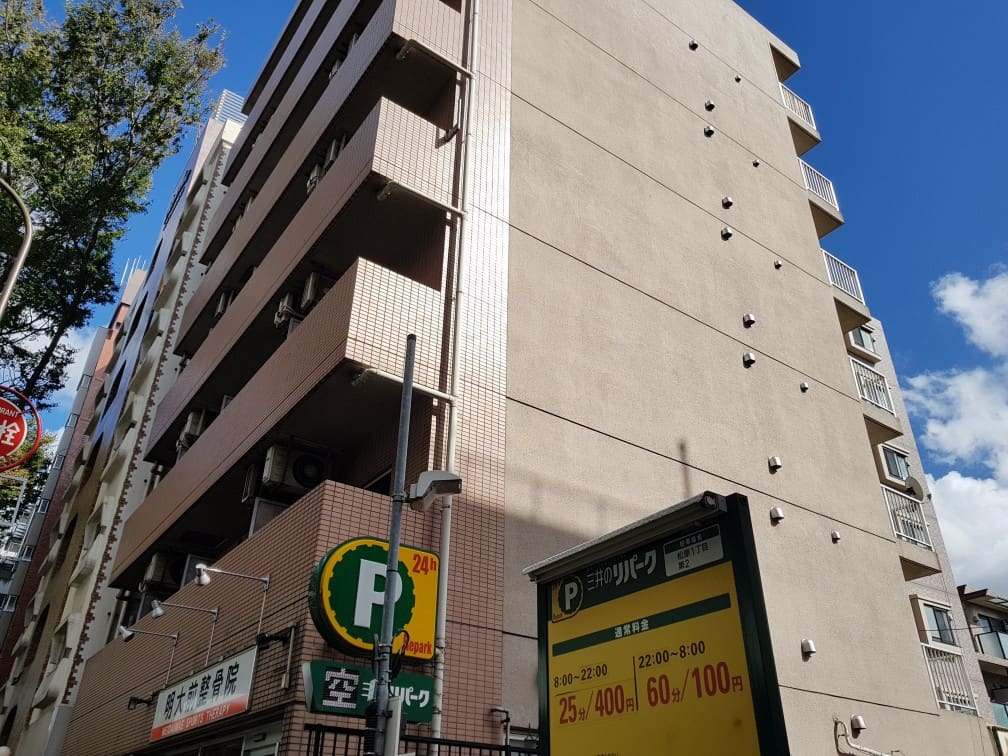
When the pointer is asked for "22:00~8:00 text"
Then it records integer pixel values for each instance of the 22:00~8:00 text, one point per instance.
(665, 655)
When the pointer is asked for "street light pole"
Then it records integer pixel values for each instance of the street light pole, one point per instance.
(382, 676)
(22, 251)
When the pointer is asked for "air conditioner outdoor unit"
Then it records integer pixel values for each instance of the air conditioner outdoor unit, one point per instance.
(194, 425)
(224, 300)
(293, 470)
(313, 178)
(158, 572)
(285, 310)
(335, 147)
(251, 482)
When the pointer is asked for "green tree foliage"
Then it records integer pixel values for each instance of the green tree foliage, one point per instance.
(30, 477)
(91, 107)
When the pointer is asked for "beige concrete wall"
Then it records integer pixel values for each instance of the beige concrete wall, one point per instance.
(626, 385)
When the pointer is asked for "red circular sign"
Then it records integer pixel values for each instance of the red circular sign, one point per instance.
(13, 427)
(19, 421)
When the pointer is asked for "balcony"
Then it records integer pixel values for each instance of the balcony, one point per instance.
(822, 199)
(993, 644)
(952, 689)
(310, 389)
(384, 198)
(1000, 714)
(847, 293)
(872, 386)
(916, 552)
(800, 120)
(992, 651)
(907, 518)
(409, 52)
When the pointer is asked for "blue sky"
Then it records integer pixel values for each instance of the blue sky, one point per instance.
(910, 101)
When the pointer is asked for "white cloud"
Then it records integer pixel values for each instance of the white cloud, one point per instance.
(973, 513)
(964, 416)
(980, 307)
(80, 342)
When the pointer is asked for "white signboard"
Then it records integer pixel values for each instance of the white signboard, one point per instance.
(216, 693)
(692, 551)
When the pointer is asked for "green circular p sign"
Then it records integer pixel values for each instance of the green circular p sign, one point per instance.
(347, 591)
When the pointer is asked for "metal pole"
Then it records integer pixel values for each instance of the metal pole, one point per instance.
(22, 251)
(392, 570)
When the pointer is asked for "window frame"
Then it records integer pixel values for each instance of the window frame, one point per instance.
(944, 638)
(884, 451)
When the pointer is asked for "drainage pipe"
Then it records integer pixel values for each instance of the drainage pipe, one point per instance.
(444, 551)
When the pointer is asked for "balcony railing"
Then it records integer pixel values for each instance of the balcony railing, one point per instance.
(819, 185)
(843, 276)
(797, 105)
(1000, 714)
(872, 386)
(993, 644)
(952, 688)
(907, 517)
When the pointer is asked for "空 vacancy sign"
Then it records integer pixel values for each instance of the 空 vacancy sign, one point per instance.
(649, 647)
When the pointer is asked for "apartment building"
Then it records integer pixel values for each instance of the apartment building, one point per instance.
(45, 556)
(987, 625)
(108, 475)
(599, 221)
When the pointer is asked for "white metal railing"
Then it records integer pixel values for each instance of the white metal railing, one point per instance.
(872, 385)
(907, 517)
(819, 185)
(843, 276)
(797, 105)
(951, 685)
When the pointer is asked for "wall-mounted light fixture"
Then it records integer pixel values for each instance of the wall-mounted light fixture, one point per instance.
(807, 647)
(203, 579)
(776, 515)
(857, 724)
(775, 464)
(128, 633)
(158, 610)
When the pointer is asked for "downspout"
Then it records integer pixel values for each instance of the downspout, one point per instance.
(444, 550)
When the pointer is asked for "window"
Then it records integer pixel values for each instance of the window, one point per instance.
(27, 552)
(58, 462)
(43, 505)
(992, 624)
(7, 602)
(863, 338)
(938, 623)
(72, 420)
(896, 463)
(85, 381)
